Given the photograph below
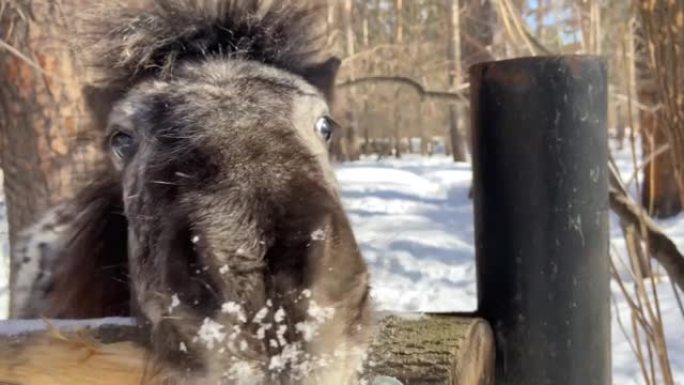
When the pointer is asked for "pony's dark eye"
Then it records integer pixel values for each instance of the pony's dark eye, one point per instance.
(122, 145)
(325, 127)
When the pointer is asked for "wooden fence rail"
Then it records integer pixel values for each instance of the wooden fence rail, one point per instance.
(414, 349)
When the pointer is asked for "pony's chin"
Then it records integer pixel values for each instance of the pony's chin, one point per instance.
(221, 378)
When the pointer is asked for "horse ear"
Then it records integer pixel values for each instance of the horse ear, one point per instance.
(322, 76)
(99, 101)
(80, 269)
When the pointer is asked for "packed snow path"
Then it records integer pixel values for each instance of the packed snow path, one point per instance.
(413, 220)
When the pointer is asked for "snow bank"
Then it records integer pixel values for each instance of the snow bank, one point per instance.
(16, 327)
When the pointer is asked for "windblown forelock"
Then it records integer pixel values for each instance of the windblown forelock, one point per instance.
(130, 42)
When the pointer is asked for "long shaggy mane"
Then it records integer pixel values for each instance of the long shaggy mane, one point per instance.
(149, 38)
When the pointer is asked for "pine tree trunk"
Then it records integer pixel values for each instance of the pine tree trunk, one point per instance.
(662, 23)
(351, 139)
(659, 192)
(458, 148)
(366, 105)
(337, 147)
(396, 106)
(46, 146)
(477, 31)
(540, 13)
(423, 121)
(478, 21)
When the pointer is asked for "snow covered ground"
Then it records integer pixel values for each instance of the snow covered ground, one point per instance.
(413, 220)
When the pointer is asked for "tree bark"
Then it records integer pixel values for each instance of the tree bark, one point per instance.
(477, 31)
(423, 121)
(338, 149)
(415, 349)
(477, 21)
(663, 48)
(456, 137)
(366, 105)
(396, 113)
(47, 145)
(351, 136)
(540, 13)
(433, 350)
(660, 192)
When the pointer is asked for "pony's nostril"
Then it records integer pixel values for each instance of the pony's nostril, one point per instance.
(187, 274)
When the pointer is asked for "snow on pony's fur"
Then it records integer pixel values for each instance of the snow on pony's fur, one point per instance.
(218, 200)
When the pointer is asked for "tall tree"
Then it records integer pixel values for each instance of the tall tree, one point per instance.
(458, 145)
(659, 49)
(338, 149)
(539, 13)
(45, 137)
(399, 41)
(477, 22)
(365, 38)
(351, 137)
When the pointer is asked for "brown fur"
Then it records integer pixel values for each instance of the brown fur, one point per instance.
(227, 213)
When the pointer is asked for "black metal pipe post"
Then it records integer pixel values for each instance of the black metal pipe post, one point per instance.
(540, 154)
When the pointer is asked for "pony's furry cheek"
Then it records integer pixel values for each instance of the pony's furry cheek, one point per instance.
(82, 264)
(36, 252)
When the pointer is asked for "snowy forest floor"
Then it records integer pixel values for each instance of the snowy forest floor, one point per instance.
(414, 222)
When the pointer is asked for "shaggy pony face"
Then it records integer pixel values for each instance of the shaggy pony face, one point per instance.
(218, 197)
(230, 200)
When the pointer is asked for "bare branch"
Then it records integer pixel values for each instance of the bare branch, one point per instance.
(454, 95)
(661, 247)
(373, 51)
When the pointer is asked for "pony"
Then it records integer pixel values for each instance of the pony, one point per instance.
(216, 219)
